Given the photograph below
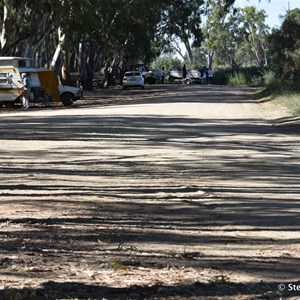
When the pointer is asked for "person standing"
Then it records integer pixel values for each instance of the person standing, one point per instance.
(184, 74)
(163, 75)
(26, 90)
(210, 74)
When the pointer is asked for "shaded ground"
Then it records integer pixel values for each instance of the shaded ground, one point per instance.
(174, 192)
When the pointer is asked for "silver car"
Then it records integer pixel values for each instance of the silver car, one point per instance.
(133, 79)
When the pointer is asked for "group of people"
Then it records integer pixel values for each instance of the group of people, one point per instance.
(208, 72)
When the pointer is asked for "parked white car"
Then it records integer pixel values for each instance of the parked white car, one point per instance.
(133, 79)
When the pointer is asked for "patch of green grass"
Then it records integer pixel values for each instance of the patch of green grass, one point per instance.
(237, 79)
(290, 101)
(285, 93)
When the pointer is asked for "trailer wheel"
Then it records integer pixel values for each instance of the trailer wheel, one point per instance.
(67, 99)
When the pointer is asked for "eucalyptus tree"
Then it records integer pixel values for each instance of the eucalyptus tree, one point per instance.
(236, 36)
(285, 45)
(82, 31)
(223, 33)
(181, 23)
(253, 22)
(26, 25)
(82, 35)
(107, 31)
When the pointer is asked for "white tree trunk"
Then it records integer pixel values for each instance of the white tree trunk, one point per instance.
(3, 32)
(61, 40)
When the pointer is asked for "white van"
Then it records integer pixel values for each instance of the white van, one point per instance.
(11, 69)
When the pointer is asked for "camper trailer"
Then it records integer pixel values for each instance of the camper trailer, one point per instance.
(43, 83)
(10, 78)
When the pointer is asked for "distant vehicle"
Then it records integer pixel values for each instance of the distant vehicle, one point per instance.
(133, 79)
(150, 76)
(193, 76)
(98, 79)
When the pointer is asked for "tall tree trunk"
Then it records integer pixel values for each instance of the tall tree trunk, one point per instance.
(65, 70)
(3, 32)
(61, 41)
(265, 52)
(188, 47)
(210, 56)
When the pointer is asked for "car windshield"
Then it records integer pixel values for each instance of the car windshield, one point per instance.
(132, 74)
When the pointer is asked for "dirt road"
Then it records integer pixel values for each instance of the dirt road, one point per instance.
(174, 192)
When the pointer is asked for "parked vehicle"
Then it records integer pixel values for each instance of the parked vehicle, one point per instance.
(133, 79)
(193, 76)
(150, 76)
(10, 79)
(67, 94)
(43, 83)
(98, 79)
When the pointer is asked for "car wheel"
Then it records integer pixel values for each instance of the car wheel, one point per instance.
(67, 99)
(96, 84)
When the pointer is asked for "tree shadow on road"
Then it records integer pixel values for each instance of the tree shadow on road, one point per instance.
(151, 193)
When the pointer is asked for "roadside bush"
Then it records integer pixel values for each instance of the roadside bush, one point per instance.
(252, 76)
(220, 77)
(237, 79)
(256, 81)
(269, 77)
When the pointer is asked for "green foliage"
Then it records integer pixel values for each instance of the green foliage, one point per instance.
(283, 92)
(284, 46)
(269, 77)
(256, 81)
(237, 37)
(251, 76)
(181, 19)
(237, 79)
(95, 35)
(21, 21)
(199, 57)
(221, 77)
(284, 87)
(168, 62)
